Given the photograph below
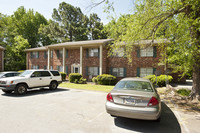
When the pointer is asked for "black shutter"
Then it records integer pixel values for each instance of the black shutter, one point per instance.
(110, 70)
(138, 52)
(154, 51)
(86, 71)
(87, 53)
(138, 72)
(124, 71)
(66, 53)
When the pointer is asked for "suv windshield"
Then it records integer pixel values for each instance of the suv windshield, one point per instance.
(134, 85)
(25, 73)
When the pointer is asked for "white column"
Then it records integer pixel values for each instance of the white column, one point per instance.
(64, 55)
(100, 60)
(27, 53)
(49, 57)
(81, 59)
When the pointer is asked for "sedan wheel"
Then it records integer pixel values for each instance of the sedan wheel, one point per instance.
(21, 89)
(53, 85)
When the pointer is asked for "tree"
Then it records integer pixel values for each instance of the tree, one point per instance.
(96, 27)
(72, 20)
(27, 23)
(15, 57)
(179, 22)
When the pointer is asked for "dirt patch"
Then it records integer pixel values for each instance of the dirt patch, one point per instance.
(174, 100)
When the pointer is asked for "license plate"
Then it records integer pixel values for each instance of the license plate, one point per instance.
(130, 101)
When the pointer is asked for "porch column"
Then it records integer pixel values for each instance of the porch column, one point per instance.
(48, 60)
(100, 60)
(64, 55)
(81, 59)
(27, 66)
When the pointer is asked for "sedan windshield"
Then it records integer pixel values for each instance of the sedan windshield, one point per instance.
(134, 85)
(25, 73)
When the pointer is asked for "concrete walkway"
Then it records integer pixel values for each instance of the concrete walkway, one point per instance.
(188, 85)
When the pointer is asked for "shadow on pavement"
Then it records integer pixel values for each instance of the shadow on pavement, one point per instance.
(40, 91)
(168, 123)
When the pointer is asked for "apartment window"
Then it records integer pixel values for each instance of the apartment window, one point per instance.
(93, 71)
(93, 52)
(45, 67)
(60, 68)
(146, 71)
(34, 67)
(147, 52)
(34, 54)
(118, 72)
(59, 53)
(51, 53)
(118, 52)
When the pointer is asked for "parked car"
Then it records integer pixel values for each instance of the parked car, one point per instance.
(31, 79)
(134, 98)
(8, 74)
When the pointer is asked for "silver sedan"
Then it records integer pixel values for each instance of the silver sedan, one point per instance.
(134, 98)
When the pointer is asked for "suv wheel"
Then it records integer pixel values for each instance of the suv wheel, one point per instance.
(20, 89)
(7, 91)
(53, 85)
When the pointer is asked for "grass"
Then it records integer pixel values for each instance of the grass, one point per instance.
(104, 88)
(184, 92)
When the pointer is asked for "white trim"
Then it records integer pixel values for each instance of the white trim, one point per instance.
(100, 60)
(73, 66)
(81, 60)
(48, 60)
(64, 56)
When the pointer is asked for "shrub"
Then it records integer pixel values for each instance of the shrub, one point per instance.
(94, 79)
(82, 81)
(106, 79)
(161, 80)
(20, 71)
(63, 75)
(184, 92)
(74, 76)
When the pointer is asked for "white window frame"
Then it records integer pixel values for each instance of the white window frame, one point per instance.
(118, 71)
(93, 71)
(147, 52)
(34, 67)
(93, 52)
(146, 71)
(35, 54)
(51, 53)
(60, 68)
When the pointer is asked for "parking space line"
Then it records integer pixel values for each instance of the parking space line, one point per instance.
(96, 117)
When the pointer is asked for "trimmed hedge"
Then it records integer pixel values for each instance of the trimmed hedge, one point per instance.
(161, 80)
(94, 79)
(63, 75)
(106, 79)
(74, 76)
(20, 71)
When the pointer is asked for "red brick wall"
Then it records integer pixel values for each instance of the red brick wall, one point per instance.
(41, 61)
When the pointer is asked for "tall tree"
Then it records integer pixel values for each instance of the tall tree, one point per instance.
(178, 21)
(72, 20)
(27, 23)
(96, 27)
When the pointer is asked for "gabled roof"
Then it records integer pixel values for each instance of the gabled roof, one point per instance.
(81, 43)
(2, 48)
(37, 49)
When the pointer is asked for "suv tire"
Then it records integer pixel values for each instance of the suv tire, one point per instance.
(53, 85)
(20, 89)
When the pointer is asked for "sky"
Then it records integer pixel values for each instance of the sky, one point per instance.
(45, 7)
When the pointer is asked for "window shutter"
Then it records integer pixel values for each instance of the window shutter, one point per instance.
(87, 53)
(154, 70)
(110, 70)
(66, 53)
(38, 54)
(58, 53)
(98, 70)
(154, 51)
(124, 71)
(38, 67)
(86, 71)
(66, 69)
(138, 52)
(98, 52)
(31, 55)
(138, 72)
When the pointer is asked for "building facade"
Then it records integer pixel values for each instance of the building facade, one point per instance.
(2, 58)
(90, 58)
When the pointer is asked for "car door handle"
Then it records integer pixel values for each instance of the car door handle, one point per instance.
(50, 78)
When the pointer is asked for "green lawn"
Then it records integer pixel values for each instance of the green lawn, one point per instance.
(104, 88)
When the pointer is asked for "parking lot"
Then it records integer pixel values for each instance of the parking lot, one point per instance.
(72, 111)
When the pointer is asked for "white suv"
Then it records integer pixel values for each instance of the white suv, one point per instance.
(31, 79)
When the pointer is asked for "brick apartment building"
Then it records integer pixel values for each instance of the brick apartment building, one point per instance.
(2, 58)
(90, 58)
